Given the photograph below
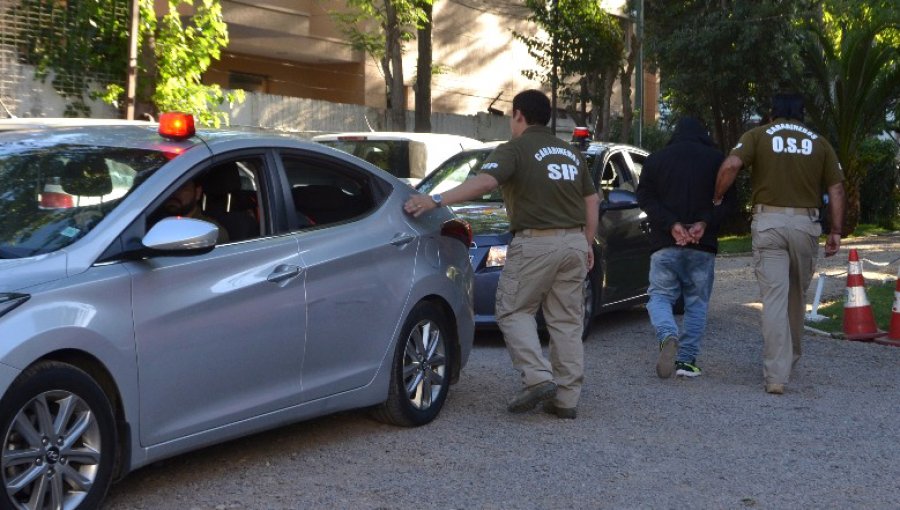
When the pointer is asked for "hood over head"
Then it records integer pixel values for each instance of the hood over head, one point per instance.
(690, 129)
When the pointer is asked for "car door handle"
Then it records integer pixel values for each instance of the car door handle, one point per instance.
(283, 272)
(402, 239)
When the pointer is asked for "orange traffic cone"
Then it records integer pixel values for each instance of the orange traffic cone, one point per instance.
(893, 337)
(859, 322)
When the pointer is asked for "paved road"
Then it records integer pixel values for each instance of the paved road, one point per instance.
(832, 441)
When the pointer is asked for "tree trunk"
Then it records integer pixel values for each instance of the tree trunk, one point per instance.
(853, 176)
(423, 72)
(605, 94)
(393, 77)
(625, 79)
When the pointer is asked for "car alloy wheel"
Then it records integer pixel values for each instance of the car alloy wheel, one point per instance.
(422, 366)
(57, 440)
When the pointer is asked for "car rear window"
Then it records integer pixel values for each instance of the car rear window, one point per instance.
(392, 156)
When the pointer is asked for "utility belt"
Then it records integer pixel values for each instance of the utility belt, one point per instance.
(810, 212)
(546, 232)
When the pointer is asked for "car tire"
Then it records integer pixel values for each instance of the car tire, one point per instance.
(589, 301)
(421, 369)
(59, 439)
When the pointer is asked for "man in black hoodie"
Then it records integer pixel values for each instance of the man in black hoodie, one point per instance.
(675, 189)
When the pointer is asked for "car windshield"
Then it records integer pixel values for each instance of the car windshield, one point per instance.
(454, 172)
(51, 196)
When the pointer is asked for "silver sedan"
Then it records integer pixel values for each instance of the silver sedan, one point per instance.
(163, 289)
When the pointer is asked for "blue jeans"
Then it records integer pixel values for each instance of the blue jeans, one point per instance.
(675, 272)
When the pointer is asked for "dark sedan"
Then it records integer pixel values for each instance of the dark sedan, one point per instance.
(621, 247)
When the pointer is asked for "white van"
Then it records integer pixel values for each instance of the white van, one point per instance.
(409, 156)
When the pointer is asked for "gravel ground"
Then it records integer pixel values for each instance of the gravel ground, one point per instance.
(717, 441)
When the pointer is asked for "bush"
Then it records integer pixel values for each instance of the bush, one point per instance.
(879, 193)
(653, 136)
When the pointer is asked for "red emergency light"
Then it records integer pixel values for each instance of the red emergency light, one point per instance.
(176, 125)
(581, 132)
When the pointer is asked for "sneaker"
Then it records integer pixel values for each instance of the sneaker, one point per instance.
(775, 388)
(683, 368)
(668, 348)
(529, 397)
(566, 413)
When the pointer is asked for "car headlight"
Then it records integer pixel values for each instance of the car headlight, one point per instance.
(10, 300)
(496, 256)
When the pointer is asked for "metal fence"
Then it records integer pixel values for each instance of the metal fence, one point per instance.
(25, 26)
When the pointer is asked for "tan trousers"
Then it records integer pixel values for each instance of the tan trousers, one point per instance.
(785, 248)
(545, 271)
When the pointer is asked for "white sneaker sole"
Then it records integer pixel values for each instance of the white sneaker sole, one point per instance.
(685, 373)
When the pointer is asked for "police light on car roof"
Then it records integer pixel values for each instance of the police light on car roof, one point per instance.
(581, 137)
(581, 133)
(176, 125)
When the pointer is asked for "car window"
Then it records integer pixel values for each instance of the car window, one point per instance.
(616, 174)
(392, 156)
(51, 196)
(637, 163)
(228, 194)
(454, 172)
(326, 192)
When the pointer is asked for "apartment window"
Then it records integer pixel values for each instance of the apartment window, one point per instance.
(246, 81)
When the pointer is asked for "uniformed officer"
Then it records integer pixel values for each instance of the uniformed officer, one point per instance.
(553, 210)
(791, 166)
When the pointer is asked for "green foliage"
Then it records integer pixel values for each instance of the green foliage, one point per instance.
(851, 69)
(880, 190)
(356, 23)
(590, 46)
(75, 44)
(86, 43)
(183, 53)
(380, 28)
(731, 244)
(881, 299)
(655, 135)
(719, 61)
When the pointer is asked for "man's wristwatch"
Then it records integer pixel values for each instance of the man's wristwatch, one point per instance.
(437, 199)
(717, 201)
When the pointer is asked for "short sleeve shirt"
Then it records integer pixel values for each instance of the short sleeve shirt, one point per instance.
(790, 165)
(543, 180)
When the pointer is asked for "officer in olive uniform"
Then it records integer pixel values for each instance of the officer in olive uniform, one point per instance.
(553, 210)
(791, 166)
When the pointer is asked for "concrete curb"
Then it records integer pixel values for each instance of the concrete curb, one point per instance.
(819, 332)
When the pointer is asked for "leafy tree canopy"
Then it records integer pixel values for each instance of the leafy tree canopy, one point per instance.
(86, 43)
(74, 43)
(720, 61)
(589, 44)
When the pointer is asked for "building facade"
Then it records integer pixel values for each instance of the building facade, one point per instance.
(295, 49)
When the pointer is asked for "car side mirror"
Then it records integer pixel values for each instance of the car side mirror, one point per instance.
(619, 199)
(181, 236)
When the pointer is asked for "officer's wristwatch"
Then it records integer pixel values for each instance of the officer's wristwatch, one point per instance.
(437, 199)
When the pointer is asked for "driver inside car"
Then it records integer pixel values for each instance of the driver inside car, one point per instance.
(185, 202)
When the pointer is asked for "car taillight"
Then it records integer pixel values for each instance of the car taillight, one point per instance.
(53, 197)
(176, 125)
(459, 230)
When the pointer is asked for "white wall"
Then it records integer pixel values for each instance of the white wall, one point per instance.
(23, 95)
